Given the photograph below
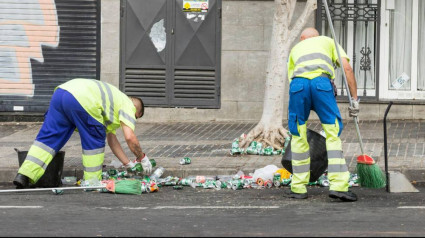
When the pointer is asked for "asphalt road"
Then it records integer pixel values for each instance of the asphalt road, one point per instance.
(203, 212)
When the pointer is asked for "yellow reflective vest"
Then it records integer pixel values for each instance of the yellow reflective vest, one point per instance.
(104, 102)
(313, 57)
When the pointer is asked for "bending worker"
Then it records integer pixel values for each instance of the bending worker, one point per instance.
(96, 109)
(311, 74)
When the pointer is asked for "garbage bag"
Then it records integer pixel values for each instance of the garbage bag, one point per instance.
(318, 155)
(265, 173)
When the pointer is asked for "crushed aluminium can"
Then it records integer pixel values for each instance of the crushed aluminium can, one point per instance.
(312, 183)
(268, 150)
(57, 191)
(122, 174)
(217, 185)
(236, 150)
(105, 175)
(323, 181)
(237, 184)
(224, 184)
(185, 160)
(260, 181)
(276, 177)
(268, 183)
(186, 182)
(353, 181)
(112, 172)
(286, 182)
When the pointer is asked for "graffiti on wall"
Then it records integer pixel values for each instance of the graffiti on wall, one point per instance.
(25, 26)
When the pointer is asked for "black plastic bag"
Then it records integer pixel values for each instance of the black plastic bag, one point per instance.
(318, 155)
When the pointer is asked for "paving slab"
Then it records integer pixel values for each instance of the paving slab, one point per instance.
(209, 144)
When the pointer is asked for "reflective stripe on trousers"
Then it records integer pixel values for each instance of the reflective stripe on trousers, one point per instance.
(337, 168)
(300, 161)
(38, 158)
(93, 163)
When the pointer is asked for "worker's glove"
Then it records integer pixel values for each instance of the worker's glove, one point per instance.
(129, 165)
(146, 164)
(354, 109)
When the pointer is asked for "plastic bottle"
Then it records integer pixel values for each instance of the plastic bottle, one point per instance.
(116, 164)
(157, 174)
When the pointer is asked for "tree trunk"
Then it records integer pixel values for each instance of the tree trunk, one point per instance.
(270, 130)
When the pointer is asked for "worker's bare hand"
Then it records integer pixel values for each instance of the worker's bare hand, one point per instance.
(354, 109)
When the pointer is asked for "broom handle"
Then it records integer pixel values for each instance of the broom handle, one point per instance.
(325, 2)
(49, 189)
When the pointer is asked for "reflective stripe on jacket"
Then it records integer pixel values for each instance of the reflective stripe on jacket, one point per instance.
(312, 57)
(104, 102)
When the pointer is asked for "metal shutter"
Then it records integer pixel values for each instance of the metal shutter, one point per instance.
(75, 55)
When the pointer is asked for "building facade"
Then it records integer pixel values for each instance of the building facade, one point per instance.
(203, 60)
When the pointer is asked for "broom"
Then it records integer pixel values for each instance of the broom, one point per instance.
(370, 175)
(114, 186)
(124, 186)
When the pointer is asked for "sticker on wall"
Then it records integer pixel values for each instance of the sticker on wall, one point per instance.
(158, 35)
(195, 17)
(195, 5)
(400, 81)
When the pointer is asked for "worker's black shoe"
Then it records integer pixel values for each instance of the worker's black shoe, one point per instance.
(296, 195)
(21, 181)
(344, 196)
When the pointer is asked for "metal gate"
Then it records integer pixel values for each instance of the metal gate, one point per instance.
(357, 28)
(44, 44)
(170, 56)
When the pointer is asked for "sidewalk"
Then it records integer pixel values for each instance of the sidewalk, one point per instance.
(208, 145)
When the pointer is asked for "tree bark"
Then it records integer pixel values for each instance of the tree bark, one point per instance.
(270, 130)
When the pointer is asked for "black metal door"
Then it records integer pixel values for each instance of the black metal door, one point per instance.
(171, 57)
(143, 64)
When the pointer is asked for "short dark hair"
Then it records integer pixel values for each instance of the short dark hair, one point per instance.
(141, 102)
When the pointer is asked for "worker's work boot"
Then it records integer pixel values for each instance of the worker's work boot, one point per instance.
(296, 195)
(21, 181)
(344, 196)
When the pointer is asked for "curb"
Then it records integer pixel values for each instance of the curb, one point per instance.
(7, 175)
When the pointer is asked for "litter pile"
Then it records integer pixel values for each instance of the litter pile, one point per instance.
(256, 148)
(267, 177)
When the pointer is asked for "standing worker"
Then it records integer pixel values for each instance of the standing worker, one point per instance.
(311, 74)
(96, 109)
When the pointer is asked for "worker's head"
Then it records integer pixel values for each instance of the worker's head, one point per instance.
(140, 107)
(309, 33)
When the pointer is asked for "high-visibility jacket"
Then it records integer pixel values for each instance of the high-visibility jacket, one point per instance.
(104, 102)
(313, 57)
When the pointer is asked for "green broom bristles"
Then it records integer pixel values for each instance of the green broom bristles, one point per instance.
(128, 187)
(371, 176)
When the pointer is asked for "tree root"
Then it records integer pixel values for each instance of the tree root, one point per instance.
(268, 135)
